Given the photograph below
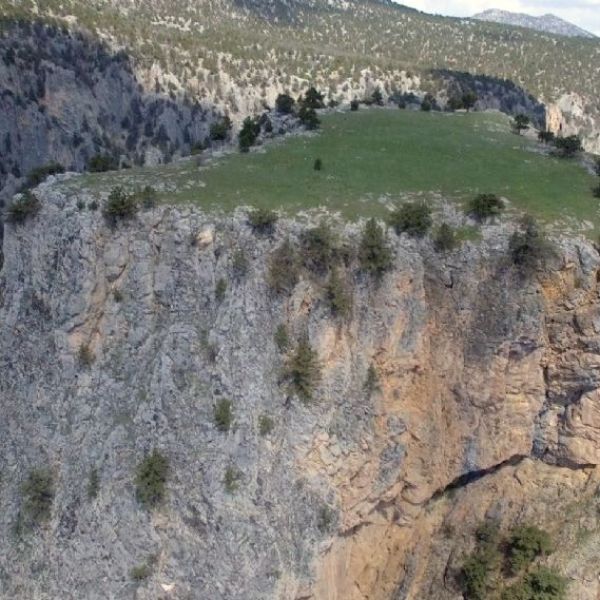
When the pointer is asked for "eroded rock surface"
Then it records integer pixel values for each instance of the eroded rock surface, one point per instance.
(487, 383)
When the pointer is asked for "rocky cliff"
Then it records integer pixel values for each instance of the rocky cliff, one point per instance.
(485, 404)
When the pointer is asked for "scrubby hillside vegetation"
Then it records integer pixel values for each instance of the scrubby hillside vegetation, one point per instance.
(179, 61)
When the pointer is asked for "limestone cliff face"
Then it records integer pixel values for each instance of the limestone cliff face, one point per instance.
(487, 387)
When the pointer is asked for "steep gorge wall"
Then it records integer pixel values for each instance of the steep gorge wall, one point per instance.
(482, 373)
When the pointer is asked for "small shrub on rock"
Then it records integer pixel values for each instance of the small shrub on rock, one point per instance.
(525, 545)
(445, 238)
(37, 175)
(283, 268)
(281, 337)
(220, 290)
(374, 254)
(319, 247)
(85, 355)
(232, 479)
(223, 415)
(303, 370)
(338, 296)
(38, 496)
(265, 425)
(27, 206)
(93, 484)
(485, 206)
(413, 218)
(529, 248)
(101, 163)
(151, 480)
(262, 220)
(120, 205)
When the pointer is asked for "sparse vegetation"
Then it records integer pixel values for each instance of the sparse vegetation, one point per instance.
(319, 247)
(374, 253)
(325, 519)
(371, 381)
(248, 134)
(568, 147)
(93, 485)
(151, 480)
(262, 220)
(527, 543)
(27, 206)
(529, 247)
(413, 218)
(521, 123)
(231, 479)
(281, 337)
(38, 496)
(283, 268)
(120, 205)
(485, 206)
(284, 104)
(219, 130)
(486, 571)
(101, 163)
(239, 263)
(223, 414)
(36, 176)
(337, 294)
(220, 290)
(265, 425)
(85, 355)
(445, 239)
(303, 370)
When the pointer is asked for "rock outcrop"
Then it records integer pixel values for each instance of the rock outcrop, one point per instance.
(486, 404)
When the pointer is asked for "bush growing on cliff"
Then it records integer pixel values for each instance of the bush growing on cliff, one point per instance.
(337, 294)
(303, 370)
(38, 496)
(25, 207)
(526, 543)
(262, 220)
(85, 356)
(220, 290)
(283, 268)
(445, 238)
(413, 218)
(541, 584)
(265, 425)
(219, 130)
(93, 485)
(101, 163)
(231, 479)
(281, 338)
(120, 205)
(223, 415)
(319, 247)
(151, 480)
(37, 175)
(308, 117)
(485, 206)
(374, 254)
(529, 248)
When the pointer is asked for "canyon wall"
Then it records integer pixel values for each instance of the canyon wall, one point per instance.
(485, 405)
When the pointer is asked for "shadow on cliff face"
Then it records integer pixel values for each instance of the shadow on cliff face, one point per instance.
(492, 93)
(66, 97)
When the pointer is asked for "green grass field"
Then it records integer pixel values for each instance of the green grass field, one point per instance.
(373, 158)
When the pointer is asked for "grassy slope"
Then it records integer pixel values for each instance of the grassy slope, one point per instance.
(374, 156)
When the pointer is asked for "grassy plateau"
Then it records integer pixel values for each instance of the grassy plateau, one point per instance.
(373, 158)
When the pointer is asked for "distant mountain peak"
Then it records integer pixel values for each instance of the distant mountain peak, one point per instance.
(547, 23)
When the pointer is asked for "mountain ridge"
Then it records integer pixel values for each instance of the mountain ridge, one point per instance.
(548, 23)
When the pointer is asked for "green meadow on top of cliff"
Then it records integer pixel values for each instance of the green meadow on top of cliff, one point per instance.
(371, 159)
